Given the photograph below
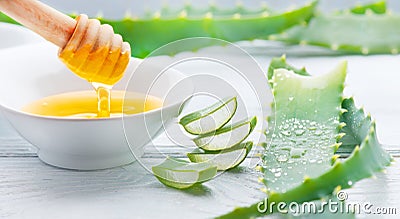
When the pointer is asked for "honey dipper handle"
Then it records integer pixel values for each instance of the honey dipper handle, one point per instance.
(49, 23)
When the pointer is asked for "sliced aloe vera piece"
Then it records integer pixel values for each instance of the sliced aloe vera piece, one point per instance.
(211, 118)
(225, 159)
(226, 137)
(181, 174)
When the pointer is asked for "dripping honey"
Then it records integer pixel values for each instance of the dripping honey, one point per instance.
(103, 99)
(84, 104)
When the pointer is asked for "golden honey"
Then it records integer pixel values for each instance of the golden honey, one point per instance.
(99, 56)
(84, 104)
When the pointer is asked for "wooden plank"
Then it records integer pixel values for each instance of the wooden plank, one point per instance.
(32, 189)
(12, 144)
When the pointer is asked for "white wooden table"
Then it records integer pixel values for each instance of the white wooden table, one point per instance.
(32, 189)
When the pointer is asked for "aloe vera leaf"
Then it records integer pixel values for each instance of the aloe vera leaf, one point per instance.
(226, 137)
(181, 174)
(355, 122)
(367, 157)
(146, 35)
(306, 113)
(283, 170)
(212, 9)
(210, 118)
(224, 160)
(349, 140)
(151, 32)
(354, 33)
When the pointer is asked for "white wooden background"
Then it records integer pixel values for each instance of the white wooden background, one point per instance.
(32, 189)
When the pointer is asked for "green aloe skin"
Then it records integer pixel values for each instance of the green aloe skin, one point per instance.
(350, 126)
(225, 159)
(181, 174)
(194, 123)
(152, 32)
(303, 127)
(354, 31)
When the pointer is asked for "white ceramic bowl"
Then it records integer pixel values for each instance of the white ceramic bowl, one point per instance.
(32, 72)
(14, 35)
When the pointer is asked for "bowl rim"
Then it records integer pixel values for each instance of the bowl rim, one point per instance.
(33, 38)
(77, 119)
(123, 116)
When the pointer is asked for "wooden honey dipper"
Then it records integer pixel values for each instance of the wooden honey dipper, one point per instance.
(89, 49)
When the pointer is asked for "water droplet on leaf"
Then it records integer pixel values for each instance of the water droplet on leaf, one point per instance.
(299, 132)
